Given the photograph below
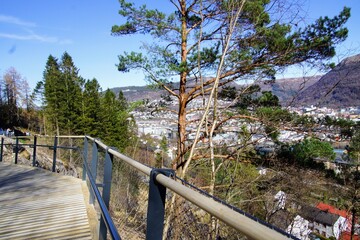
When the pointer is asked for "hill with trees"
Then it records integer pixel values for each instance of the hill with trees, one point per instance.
(340, 87)
(288, 89)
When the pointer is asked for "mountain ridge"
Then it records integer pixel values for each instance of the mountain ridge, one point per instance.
(286, 89)
(338, 88)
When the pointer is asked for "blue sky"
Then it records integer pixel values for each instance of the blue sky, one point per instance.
(32, 30)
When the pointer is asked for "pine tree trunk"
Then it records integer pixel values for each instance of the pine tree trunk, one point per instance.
(182, 134)
(183, 98)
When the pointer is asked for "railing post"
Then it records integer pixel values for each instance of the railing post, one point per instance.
(34, 151)
(156, 205)
(85, 157)
(54, 154)
(106, 190)
(16, 149)
(1, 149)
(94, 161)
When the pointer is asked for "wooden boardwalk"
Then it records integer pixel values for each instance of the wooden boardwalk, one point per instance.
(37, 204)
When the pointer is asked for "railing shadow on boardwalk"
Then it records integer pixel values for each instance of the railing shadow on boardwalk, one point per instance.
(163, 206)
(30, 182)
(36, 204)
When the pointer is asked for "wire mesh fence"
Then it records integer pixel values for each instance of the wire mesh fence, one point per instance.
(129, 201)
(183, 220)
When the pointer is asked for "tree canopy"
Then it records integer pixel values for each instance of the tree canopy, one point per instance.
(15, 101)
(73, 105)
(208, 44)
(310, 149)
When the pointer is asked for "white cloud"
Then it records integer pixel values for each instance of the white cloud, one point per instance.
(35, 37)
(16, 21)
(30, 35)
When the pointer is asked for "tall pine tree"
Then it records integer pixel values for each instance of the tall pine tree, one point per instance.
(90, 120)
(115, 120)
(72, 93)
(53, 93)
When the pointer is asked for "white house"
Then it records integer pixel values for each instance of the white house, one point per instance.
(299, 228)
(313, 219)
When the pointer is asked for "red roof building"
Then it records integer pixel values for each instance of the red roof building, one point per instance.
(328, 208)
(345, 235)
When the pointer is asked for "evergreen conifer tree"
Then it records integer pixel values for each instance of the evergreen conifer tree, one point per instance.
(71, 97)
(90, 121)
(115, 120)
(53, 93)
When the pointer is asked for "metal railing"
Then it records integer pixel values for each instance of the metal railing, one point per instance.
(160, 180)
(16, 147)
(106, 222)
(163, 179)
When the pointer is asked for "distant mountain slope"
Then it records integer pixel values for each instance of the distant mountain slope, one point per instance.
(287, 89)
(338, 88)
(136, 93)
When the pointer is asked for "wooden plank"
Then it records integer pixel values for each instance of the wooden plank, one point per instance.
(36, 204)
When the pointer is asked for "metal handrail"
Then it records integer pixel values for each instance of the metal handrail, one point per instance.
(240, 222)
(250, 226)
(104, 211)
(107, 220)
(244, 224)
(34, 145)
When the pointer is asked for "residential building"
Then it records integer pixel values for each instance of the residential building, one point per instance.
(323, 219)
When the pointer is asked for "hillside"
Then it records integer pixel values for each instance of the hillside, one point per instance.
(286, 89)
(338, 88)
(136, 93)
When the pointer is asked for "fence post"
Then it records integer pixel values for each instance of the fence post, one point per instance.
(1, 149)
(54, 154)
(16, 149)
(94, 161)
(34, 151)
(106, 190)
(85, 157)
(156, 205)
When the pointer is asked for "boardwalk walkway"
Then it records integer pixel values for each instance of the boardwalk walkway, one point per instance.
(36, 204)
